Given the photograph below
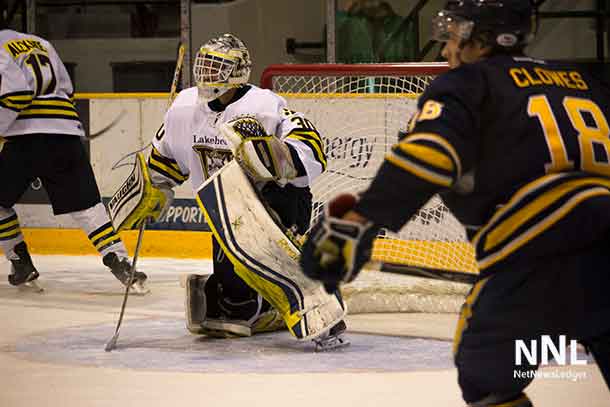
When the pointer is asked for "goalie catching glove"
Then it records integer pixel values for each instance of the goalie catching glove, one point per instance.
(337, 249)
(138, 199)
(262, 156)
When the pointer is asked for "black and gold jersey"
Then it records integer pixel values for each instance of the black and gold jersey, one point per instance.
(35, 89)
(520, 151)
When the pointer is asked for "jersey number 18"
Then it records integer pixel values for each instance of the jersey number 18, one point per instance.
(589, 134)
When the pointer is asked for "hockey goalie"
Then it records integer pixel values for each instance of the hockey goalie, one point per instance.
(269, 156)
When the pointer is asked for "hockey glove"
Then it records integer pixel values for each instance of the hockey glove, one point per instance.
(262, 156)
(336, 249)
(164, 197)
(138, 199)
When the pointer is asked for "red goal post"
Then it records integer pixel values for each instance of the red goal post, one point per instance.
(359, 110)
(412, 70)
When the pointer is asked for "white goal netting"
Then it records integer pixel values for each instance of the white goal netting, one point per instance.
(359, 110)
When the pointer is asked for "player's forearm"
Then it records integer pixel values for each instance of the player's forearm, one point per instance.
(308, 154)
(307, 167)
(393, 198)
(164, 170)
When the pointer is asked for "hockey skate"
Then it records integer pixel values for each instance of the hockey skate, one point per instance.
(23, 273)
(208, 313)
(333, 339)
(122, 271)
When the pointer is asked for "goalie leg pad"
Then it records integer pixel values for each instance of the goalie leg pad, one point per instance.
(264, 256)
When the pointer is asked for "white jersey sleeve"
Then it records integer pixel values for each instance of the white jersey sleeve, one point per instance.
(14, 93)
(305, 143)
(293, 128)
(35, 89)
(165, 169)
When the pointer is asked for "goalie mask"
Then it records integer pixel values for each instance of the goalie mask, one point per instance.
(501, 24)
(221, 64)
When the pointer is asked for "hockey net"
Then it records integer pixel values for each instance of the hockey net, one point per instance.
(359, 110)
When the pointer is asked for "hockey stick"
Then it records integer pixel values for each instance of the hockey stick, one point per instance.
(172, 95)
(109, 126)
(112, 342)
(177, 70)
(415, 271)
(436, 274)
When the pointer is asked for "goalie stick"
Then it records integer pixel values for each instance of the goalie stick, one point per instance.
(172, 95)
(112, 342)
(174, 87)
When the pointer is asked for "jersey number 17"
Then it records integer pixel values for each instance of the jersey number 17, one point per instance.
(44, 74)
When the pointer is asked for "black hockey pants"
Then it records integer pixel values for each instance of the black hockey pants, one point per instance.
(561, 295)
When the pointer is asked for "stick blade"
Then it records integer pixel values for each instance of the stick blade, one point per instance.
(112, 343)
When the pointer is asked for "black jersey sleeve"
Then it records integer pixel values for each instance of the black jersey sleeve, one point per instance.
(440, 147)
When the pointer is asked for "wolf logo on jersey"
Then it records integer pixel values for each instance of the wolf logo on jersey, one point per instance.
(212, 159)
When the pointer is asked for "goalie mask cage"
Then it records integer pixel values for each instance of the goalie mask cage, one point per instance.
(359, 110)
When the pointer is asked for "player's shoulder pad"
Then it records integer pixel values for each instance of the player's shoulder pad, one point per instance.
(177, 117)
(259, 101)
(467, 84)
(46, 44)
(266, 94)
(186, 97)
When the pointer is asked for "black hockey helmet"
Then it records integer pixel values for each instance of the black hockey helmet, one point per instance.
(501, 24)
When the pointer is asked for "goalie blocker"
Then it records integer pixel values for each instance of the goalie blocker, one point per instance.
(137, 199)
(264, 256)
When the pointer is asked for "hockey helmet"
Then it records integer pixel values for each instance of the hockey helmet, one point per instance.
(501, 24)
(221, 63)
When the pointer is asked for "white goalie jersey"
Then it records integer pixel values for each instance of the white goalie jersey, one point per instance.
(35, 89)
(190, 145)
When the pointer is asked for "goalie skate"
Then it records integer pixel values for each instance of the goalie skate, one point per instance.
(205, 314)
(334, 339)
